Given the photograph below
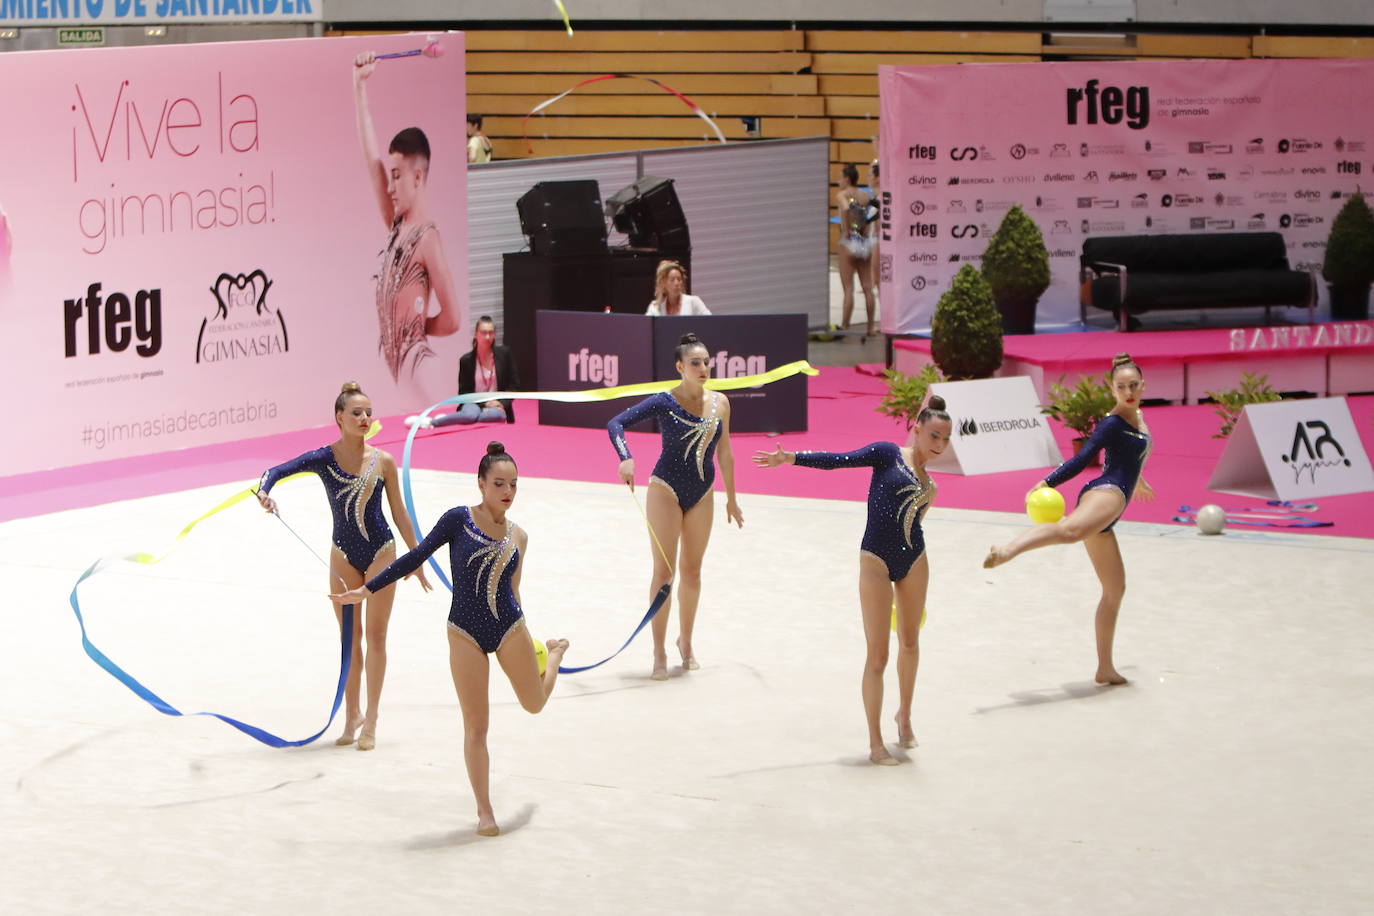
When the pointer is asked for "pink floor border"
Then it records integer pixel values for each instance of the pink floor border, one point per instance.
(842, 404)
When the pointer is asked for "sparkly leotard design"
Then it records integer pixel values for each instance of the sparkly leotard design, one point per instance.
(1125, 449)
(484, 608)
(360, 530)
(402, 340)
(898, 497)
(686, 465)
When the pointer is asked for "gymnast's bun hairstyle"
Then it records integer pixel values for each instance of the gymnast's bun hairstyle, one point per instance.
(345, 392)
(934, 410)
(686, 342)
(1124, 361)
(496, 452)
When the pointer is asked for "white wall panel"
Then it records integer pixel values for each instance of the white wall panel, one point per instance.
(757, 214)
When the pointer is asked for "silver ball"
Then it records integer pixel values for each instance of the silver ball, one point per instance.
(1211, 519)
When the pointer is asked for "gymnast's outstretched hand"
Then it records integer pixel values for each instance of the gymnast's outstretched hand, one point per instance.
(774, 458)
(352, 596)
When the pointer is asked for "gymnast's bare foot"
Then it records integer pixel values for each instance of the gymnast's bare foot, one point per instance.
(486, 824)
(367, 738)
(689, 661)
(905, 736)
(351, 725)
(557, 649)
(879, 756)
(994, 558)
(660, 667)
(1109, 677)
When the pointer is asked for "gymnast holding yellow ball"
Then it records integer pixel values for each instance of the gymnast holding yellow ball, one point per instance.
(892, 558)
(1125, 438)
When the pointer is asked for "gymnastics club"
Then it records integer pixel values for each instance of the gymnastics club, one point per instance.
(433, 49)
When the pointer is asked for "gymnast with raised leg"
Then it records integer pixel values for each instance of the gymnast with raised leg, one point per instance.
(354, 475)
(1125, 439)
(694, 423)
(892, 558)
(486, 550)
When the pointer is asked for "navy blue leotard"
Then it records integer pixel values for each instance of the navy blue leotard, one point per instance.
(1126, 449)
(686, 466)
(360, 530)
(897, 501)
(484, 608)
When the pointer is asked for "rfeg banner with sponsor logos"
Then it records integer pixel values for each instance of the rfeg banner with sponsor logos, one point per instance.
(155, 12)
(200, 243)
(1110, 148)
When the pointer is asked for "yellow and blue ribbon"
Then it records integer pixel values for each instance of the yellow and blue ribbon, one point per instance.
(585, 396)
(161, 705)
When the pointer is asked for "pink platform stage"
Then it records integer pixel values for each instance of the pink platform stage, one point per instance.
(1333, 358)
(842, 406)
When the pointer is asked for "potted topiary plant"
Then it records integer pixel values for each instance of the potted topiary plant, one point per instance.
(906, 394)
(1230, 402)
(966, 332)
(1081, 407)
(1349, 263)
(1017, 267)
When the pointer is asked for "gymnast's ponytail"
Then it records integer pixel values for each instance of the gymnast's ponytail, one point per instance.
(496, 453)
(934, 410)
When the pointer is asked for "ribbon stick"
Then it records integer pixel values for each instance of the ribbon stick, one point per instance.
(432, 50)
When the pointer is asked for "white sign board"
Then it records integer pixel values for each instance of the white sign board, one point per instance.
(1294, 450)
(997, 426)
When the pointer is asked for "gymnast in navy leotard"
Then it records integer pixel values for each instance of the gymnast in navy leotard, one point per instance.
(1125, 440)
(893, 569)
(694, 424)
(354, 475)
(486, 554)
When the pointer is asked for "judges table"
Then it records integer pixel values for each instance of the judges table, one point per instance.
(578, 350)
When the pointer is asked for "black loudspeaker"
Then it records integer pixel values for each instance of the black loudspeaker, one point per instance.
(648, 212)
(563, 217)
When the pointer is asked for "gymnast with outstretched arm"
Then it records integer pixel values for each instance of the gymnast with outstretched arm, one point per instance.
(1125, 439)
(892, 558)
(486, 557)
(694, 424)
(354, 475)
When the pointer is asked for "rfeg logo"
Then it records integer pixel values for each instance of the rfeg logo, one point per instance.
(1308, 454)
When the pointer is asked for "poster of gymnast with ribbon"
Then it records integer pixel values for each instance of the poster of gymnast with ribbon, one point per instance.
(412, 266)
(192, 252)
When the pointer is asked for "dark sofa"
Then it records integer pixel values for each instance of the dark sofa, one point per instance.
(1132, 274)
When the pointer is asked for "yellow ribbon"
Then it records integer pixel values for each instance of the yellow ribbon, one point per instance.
(149, 559)
(567, 24)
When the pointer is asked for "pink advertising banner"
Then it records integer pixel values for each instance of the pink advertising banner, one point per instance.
(1110, 148)
(200, 243)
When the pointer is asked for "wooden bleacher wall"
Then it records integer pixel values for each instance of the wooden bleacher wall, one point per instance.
(797, 83)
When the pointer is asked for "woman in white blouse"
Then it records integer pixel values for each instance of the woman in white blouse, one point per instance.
(670, 281)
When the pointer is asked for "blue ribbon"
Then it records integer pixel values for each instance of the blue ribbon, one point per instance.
(162, 706)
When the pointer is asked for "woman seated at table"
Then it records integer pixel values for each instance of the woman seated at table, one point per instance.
(486, 367)
(670, 298)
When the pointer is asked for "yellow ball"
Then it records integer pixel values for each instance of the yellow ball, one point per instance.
(894, 619)
(1045, 505)
(541, 654)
